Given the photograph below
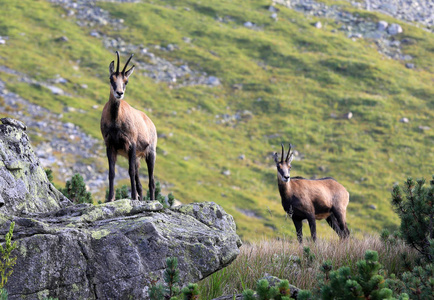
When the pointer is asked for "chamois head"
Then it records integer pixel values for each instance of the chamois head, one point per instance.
(284, 166)
(119, 81)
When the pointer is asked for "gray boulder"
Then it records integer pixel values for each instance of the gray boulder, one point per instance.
(114, 250)
(213, 81)
(394, 29)
(382, 25)
(24, 187)
(55, 90)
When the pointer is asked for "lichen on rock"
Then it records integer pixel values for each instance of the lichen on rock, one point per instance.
(24, 187)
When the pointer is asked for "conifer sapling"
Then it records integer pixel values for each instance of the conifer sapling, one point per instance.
(75, 190)
(7, 261)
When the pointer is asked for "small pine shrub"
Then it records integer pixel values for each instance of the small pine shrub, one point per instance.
(384, 235)
(170, 289)
(49, 174)
(160, 197)
(157, 292)
(171, 277)
(284, 291)
(415, 208)
(390, 239)
(264, 291)
(323, 277)
(326, 267)
(120, 193)
(367, 283)
(3, 294)
(419, 283)
(75, 190)
(171, 199)
(249, 294)
(7, 261)
(308, 256)
(190, 292)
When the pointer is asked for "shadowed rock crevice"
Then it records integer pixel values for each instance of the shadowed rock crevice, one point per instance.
(108, 251)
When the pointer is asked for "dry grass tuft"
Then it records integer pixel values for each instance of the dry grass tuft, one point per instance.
(279, 258)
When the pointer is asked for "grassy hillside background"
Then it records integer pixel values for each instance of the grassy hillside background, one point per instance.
(293, 77)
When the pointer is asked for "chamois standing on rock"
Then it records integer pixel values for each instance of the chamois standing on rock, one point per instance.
(318, 199)
(128, 132)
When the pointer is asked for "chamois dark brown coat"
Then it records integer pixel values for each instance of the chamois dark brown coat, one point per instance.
(127, 132)
(318, 199)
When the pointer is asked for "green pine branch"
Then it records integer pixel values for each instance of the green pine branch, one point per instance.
(7, 261)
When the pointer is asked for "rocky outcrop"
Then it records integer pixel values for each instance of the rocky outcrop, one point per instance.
(24, 187)
(114, 250)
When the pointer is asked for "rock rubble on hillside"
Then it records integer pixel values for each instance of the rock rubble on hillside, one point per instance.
(355, 26)
(244, 115)
(420, 11)
(3, 40)
(177, 73)
(48, 85)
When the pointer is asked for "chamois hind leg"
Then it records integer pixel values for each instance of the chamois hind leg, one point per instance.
(331, 220)
(312, 225)
(340, 217)
(150, 161)
(111, 155)
(299, 229)
(138, 184)
(346, 231)
(132, 170)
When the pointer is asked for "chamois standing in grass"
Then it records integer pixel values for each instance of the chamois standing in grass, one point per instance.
(128, 132)
(318, 199)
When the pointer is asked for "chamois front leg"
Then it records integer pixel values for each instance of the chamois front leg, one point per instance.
(150, 161)
(138, 184)
(111, 155)
(132, 170)
(299, 229)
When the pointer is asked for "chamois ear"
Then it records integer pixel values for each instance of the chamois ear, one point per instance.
(276, 157)
(290, 158)
(129, 72)
(112, 67)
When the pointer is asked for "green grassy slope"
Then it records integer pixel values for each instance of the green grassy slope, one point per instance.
(293, 75)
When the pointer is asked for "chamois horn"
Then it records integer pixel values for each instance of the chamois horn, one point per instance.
(117, 68)
(128, 61)
(283, 152)
(287, 156)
